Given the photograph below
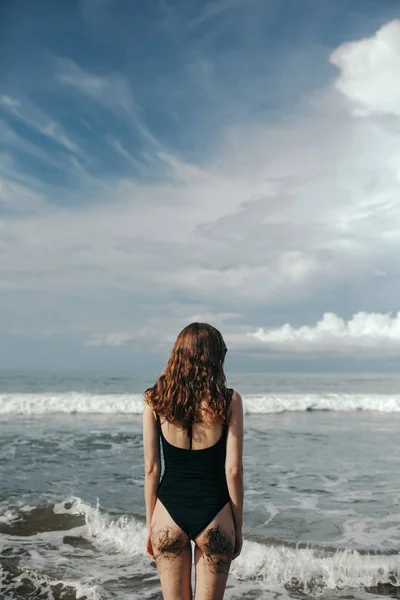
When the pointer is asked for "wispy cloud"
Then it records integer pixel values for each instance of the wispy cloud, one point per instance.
(37, 120)
(215, 8)
(120, 149)
(113, 92)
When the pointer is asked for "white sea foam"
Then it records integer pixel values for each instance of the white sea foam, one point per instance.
(43, 586)
(270, 565)
(309, 568)
(122, 533)
(8, 516)
(86, 403)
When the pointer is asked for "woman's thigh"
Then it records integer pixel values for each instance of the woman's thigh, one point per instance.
(213, 555)
(173, 555)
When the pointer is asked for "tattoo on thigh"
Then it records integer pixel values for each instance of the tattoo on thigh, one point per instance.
(167, 543)
(218, 550)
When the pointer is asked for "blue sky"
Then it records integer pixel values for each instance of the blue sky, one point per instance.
(233, 161)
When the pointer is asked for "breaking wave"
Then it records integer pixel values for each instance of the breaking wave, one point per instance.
(86, 403)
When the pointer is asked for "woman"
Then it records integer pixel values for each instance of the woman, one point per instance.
(200, 497)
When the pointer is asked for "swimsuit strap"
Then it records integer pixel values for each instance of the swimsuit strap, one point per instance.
(158, 422)
(190, 433)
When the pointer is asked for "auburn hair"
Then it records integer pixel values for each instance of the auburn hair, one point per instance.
(193, 378)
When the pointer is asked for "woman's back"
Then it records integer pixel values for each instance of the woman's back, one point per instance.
(204, 434)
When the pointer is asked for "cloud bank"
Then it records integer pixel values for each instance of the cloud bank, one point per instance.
(118, 229)
(363, 332)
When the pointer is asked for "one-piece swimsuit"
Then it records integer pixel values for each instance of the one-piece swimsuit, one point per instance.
(193, 488)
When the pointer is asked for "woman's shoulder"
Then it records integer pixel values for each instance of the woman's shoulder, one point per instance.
(234, 394)
(236, 402)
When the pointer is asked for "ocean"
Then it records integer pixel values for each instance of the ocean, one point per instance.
(322, 488)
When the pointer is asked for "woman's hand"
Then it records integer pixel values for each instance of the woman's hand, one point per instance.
(149, 547)
(238, 544)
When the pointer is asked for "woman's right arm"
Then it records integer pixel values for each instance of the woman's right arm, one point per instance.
(152, 463)
(234, 466)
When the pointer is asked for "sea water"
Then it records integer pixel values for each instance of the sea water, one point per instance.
(322, 487)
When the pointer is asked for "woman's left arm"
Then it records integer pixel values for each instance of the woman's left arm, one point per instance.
(152, 465)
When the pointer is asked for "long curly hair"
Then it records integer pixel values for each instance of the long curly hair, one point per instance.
(193, 378)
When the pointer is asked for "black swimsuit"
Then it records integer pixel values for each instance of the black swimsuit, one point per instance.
(193, 488)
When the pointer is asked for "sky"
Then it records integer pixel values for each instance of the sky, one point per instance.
(229, 161)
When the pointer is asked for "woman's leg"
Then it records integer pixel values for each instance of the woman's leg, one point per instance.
(173, 555)
(213, 556)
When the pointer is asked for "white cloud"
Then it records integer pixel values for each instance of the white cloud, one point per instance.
(183, 171)
(162, 330)
(53, 130)
(8, 102)
(369, 71)
(216, 8)
(20, 199)
(275, 215)
(111, 91)
(38, 120)
(379, 273)
(115, 339)
(12, 141)
(218, 319)
(365, 332)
